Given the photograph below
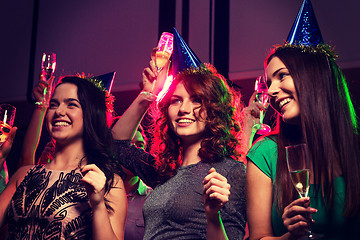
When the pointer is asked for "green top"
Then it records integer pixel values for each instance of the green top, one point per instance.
(3, 177)
(331, 223)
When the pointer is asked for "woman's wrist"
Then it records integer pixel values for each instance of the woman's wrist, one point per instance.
(145, 99)
(40, 105)
(213, 218)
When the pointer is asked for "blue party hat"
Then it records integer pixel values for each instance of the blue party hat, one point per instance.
(183, 57)
(107, 80)
(305, 30)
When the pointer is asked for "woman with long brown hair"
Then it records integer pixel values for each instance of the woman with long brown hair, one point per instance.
(310, 95)
(79, 193)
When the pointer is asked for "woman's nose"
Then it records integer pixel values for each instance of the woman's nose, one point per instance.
(60, 111)
(185, 107)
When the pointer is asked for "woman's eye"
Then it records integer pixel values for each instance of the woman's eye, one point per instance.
(73, 104)
(197, 100)
(52, 105)
(282, 75)
(175, 101)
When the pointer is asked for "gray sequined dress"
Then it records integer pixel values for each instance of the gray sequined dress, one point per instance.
(175, 209)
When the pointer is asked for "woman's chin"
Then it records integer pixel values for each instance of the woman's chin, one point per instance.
(292, 120)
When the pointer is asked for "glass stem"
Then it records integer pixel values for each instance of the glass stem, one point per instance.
(44, 95)
(153, 85)
(262, 115)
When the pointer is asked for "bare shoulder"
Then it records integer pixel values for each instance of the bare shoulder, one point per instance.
(117, 195)
(117, 191)
(118, 182)
(20, 174)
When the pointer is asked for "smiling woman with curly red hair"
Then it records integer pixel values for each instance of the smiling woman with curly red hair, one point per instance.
(193, 160)
(218, 101)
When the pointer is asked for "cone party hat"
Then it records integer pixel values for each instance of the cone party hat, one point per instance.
(107, 80)
(305, 30)
(183, 57)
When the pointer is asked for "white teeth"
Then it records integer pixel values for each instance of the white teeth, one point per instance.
(185, 121)
(283, 102)
(61, 124)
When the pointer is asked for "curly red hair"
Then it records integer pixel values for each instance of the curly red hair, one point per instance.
(222, 107)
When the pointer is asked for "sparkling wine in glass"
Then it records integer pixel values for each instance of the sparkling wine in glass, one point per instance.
(165, 49)
(7, 116)
(299, 167)
(48, 64)
(298, 163)
(263, 98)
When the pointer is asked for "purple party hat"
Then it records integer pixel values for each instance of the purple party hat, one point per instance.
(183, 57)
(107, 80)
(305, 30)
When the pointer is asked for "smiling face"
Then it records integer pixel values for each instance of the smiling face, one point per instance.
(64, 119)
(283, 97)
(184, 115)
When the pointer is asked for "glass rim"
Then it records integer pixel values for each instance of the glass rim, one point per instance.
(10, 106)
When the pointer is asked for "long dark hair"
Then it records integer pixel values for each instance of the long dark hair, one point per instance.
(97, 138)
(219, 102)
(328, 127)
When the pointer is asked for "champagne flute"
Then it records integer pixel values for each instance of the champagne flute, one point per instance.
(48, 65)
(298, 163)
(263, 98)
(7, 116)
(163, 54)
(165, 49)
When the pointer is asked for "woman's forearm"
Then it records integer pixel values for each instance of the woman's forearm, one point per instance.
(215, 228)
(126, 126)
(32, 137)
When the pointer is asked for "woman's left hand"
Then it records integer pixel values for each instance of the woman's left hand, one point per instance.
(153, 80)
(42, 91)
(297, 217)
(252, 112)
(216, 192)
(94, 180)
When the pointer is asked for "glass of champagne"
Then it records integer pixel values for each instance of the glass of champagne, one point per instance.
(165, 49)
(7, 116)
(298, 163)
(263, 98)
(48, 64)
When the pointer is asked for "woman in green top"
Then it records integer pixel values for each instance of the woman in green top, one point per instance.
(310, 95)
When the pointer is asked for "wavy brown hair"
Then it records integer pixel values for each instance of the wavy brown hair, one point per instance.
(222, 106)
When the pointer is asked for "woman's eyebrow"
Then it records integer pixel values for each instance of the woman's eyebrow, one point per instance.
(274, 73)
(71, 100)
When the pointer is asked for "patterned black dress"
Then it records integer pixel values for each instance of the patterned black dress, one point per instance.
(50, 204)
